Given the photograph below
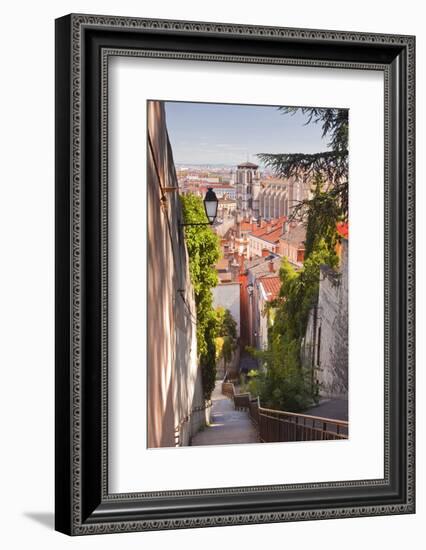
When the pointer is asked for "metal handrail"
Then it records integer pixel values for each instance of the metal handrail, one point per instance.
(276, 425)
(342, 423)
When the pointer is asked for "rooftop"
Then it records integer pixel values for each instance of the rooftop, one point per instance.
(263, 267)
(271, 287)
(248, 165)
(246, 225)
(270, 232)
(295, 235)
(274, 181)
(260, 260)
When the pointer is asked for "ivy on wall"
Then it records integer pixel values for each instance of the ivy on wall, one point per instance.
(204, 251)
(285, 383)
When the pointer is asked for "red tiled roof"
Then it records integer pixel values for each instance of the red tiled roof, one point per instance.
(271, 286)
(275, 230)
(273, 236)
(343, 229)
(258, 231)
(245, 226)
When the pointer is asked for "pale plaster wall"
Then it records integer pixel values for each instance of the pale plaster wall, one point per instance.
(176, 405)
(329, 323)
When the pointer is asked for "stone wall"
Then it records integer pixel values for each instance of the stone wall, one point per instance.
(325, 347)
(176, 407)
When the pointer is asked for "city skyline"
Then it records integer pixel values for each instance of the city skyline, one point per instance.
(228, 134)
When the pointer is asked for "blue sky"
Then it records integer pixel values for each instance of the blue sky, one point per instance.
(207, 133)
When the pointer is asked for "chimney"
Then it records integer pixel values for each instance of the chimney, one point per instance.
(271, 266)
(268, 228)
(265, 252)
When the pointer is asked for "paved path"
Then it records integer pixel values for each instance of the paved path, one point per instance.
(227, 425)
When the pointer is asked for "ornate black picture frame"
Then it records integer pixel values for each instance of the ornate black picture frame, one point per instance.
(84, 44)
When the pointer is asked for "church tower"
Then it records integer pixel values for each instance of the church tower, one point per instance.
(248, 186)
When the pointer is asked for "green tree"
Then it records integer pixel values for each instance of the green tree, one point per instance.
(227, 326)
(203, 250)
(227, 333)
(322, 213)
(227, 350)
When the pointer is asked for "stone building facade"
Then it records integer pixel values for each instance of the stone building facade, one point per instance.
(176, 406)
(278, 196)
(325, 347)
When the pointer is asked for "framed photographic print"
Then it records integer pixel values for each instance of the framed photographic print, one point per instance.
(234, 274)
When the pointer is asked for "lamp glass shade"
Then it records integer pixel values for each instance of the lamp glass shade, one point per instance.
(210, 205)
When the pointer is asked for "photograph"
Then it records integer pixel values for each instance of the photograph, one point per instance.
(247, 275)
(223, 355)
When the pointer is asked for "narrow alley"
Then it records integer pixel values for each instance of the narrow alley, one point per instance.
(227, 425)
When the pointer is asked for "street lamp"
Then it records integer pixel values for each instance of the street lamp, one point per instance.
(210, 206)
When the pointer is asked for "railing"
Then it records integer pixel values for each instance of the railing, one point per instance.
(241, 401)
(253, 410)
(277, 426)
(228, 389)
(280, 426)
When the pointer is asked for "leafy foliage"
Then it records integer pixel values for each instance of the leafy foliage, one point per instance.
(227, 326)
(202, 245)
(227, 334)
(203, 250)
(322, 213)
(208, 356)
